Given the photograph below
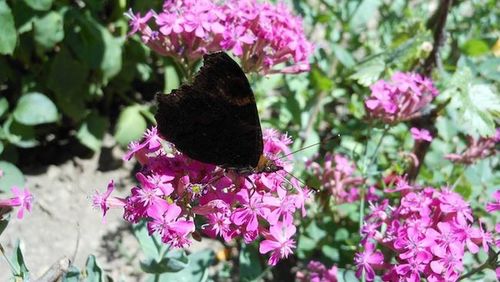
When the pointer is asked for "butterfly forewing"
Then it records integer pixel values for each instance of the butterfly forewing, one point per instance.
(214, 120)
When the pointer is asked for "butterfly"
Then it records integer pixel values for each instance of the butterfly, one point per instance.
(214, 120)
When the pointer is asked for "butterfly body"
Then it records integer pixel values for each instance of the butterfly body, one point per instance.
(215, 120)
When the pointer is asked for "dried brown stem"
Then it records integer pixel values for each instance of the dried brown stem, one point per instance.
(437, 23)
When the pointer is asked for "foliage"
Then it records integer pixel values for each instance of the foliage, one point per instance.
(67, 70)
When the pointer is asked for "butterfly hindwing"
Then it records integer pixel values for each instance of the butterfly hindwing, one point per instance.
(215, 119)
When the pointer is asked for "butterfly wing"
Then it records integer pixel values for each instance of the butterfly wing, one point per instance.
(215, 119)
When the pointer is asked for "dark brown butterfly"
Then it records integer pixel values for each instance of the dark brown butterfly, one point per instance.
(215, 120)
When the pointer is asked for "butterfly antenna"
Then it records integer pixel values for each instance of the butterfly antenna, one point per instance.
(308, 146)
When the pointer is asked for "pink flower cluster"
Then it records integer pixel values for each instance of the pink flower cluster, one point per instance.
(173, 190)
(477, 149)
(262, 35)
(400, 99)
(317, 272)
(22, 199)
(424, 236)
(337, 176)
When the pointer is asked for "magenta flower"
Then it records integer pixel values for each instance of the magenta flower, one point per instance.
(262, 35)
(22, 199)
(279, 242)
(495, 205)
(421, 134)
(337, 175)
(476, 149)
(424, 235)
(366, 260)
(401, 99)
(173, 191)
(104, 202)
(317, 272)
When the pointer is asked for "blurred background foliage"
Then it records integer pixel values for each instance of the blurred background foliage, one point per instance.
(69, 74)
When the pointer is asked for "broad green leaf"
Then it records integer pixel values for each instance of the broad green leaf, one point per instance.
(305, 246)
(475, 47)
(4, 106)
(166, 264)
(367, 73)
(330, 252)
(364, 12)
(320, 81)
(1, 147)
(67, 78)
(19, 134)
(315, 232)
(490, 68)
(92, 130)
(112, 60)
(40, 5)
(35, 108)
(73, 275)
(131, 125)
(49, 30)
(94, 271)
(196, 270)
(8, 34)
(18, 263)
(10, 176)
(250, 266)
(150, 245)
(477, 104)
(343, 55)
(172, 79)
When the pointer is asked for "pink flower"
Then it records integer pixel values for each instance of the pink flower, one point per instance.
(165, 221)
(22, 199)
(279, 242)
(495, 205)
(337, 175)
(401, 99)
(476, 149)
(151, 143)
(317, 272)
(366, 260)
(104, 202)
(262, 35)
(421, 134)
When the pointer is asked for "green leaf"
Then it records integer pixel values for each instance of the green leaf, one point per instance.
(330, 252)
(477, 104)
(1, 148)
(39, 5)
(320, 81)
(172, 79)
(367, 73)
(8, 35)
(73, 275)
(131, 125)
(67, 78)
(365, 9)
(172, 263)
(150, 245)
(250, 266)
(20, 135)
(92, 130)
(11, 176)
(315, 232)
(343, 56)
(94, 271)
(49, 30)
(196, 270)
(35, 108)
(475, 47)
(4, 106)
(94, 44)
(18, 263)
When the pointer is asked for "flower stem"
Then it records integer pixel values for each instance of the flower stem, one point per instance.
(13, 269)
(489, 263)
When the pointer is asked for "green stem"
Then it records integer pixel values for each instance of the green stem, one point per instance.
(490, 262)
(11, 265)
